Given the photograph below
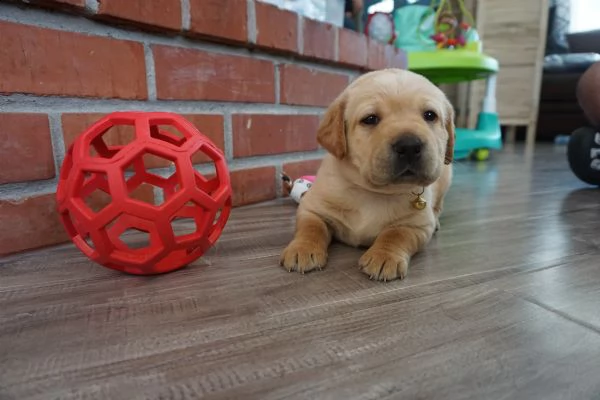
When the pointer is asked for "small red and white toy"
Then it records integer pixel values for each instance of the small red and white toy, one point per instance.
(380, 26)
(298, 187)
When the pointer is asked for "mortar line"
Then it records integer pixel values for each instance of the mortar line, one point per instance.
(92, 6)
(150, 72)
(300, 34)
(32, 103)
(57, 140)
(274, 159)
(158, 194)
(278, 181)
(277, 83)
(228, 136)
(16, 192)
(251, 21)
(336, 44)
(186, 16)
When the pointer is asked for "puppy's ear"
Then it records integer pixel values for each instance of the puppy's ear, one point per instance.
(332, 129)
(450, 129)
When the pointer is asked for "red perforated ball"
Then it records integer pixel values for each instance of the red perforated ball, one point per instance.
(142, 172)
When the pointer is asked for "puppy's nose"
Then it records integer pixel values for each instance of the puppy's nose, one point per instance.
(408, 147)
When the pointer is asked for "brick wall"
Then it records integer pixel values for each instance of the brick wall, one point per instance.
(252, 77)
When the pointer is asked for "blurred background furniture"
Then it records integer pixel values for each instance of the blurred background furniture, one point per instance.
(543, 47)
(572, 47)
(513, 32)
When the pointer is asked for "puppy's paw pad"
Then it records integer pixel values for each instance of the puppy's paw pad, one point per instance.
(303, 257)
(383, 265)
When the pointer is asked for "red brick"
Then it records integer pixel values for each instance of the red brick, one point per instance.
(395, 58)
(26, 149)
(299, 168)
(253, 185)
(212, 127)
(34, 222)
(144, 193)
(29, 223)
(276, 28)
(74, 124)
(319, 40)
(188, 74)
(377, 55)
(385, 56)
(223, 20)
(50, 62)
(306, 86)
(260, 134)
(159, 13)
(78, 3)
(209, 125)
(353, 48)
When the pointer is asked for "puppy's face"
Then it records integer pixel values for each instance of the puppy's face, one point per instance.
(394, 126)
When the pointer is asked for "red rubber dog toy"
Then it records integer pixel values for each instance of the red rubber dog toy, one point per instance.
(96, 165)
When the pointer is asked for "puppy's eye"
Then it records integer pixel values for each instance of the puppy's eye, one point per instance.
(429, 116)
(370, 120)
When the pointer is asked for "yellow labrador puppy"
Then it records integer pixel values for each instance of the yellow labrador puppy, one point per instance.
(390, 139)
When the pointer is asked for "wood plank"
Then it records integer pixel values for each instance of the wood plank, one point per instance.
(501, 304)
(514, 92)
(510, 22)
(382, 346)
(513, 32)
(571, 289)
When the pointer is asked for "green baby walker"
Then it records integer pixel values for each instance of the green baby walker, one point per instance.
(446, 50)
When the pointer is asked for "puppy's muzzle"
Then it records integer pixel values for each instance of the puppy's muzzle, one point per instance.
(408, 150)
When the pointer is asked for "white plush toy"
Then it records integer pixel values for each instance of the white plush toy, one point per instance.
(297, 188)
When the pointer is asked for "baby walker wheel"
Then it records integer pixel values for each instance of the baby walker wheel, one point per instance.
(480, 154)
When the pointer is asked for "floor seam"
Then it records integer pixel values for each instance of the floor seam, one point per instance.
(558, 312)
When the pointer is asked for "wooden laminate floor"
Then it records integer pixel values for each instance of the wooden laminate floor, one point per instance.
(503, 304)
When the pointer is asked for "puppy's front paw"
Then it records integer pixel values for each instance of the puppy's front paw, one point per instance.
(384, 265)
(303, 257)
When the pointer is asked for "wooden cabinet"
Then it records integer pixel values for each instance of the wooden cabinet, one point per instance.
(513, 32)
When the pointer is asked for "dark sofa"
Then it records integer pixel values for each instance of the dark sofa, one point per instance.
(559, 112)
